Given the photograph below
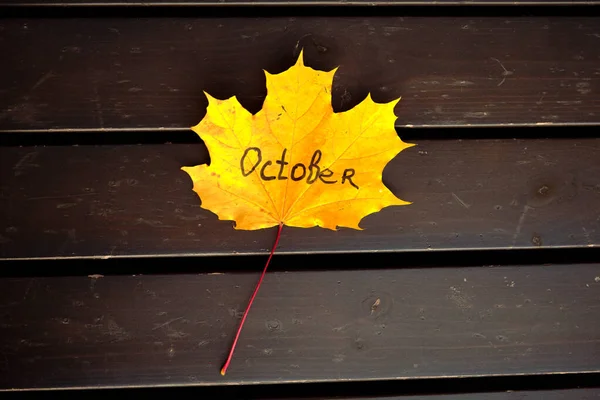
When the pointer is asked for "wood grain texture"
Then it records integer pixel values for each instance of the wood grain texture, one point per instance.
(111, 73)
(355, 390)
(571, 394)
(241, 393)
(109, 201)
(304, 327)
(269, 3)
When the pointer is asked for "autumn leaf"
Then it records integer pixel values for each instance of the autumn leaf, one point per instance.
(296, 162)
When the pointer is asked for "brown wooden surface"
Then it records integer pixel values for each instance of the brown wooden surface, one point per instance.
(304, 326)
(119, 75)
(254, 3)
(108, 201)
(388, 390)
(113, 72)
(572, 394)
(312, 392)
(582, 394)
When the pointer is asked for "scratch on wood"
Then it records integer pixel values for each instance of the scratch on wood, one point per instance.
(169, 322)
(476, 114)
(63, 196)
(520, 224)
(298, 44)
(43, 79)
(340, 328)
(26, 162)
(461, 83)
(505, 72)
(153, 224)
(586, 234)
(27, 290)
(541, 100)
(98, 107)
(375, 305)
(392, 29)
(462, 203)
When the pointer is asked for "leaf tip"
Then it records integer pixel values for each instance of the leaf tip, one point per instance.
(300, 60)
(394, 102)
(196, 128)
(209, 97)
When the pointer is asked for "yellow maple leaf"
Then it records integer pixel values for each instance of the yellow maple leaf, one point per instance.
(296, 162)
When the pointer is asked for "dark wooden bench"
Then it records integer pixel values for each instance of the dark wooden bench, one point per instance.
(487, 286)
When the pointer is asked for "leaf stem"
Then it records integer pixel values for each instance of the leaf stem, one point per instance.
(262, 276)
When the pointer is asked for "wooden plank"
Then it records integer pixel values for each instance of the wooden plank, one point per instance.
(306, 391)
(117, 73)
(318, 326)
(280, 3)
(579, 394)
(571, 394)
(110, 201)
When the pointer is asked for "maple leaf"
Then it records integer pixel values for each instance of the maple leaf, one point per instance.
(296, 162)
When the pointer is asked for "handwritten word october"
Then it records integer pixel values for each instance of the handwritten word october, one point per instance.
(298, 172)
